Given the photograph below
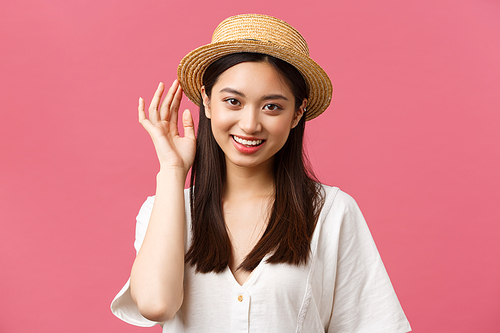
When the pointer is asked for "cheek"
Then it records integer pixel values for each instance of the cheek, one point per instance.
(284, 136)
(281, 129)
(220, 122)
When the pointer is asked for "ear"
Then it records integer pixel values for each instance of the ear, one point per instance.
(299, 113)
(206, 102)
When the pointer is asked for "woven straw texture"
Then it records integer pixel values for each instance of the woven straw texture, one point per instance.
(259, 34)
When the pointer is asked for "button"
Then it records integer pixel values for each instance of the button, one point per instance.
(240, 298)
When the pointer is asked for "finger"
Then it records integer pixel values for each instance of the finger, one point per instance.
(188, 124)
(154, 115)
(140, 108)
(167, 101)
(148, 126)
(174, 108)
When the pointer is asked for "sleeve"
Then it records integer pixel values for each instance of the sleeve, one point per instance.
(122, 305)
(364, 299)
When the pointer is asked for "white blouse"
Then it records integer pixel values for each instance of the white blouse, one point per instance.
(343, 288)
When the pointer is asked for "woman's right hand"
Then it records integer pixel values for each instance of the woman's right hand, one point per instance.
(174, 152)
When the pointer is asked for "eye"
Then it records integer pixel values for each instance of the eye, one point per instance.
(232, 101)
(272, 107)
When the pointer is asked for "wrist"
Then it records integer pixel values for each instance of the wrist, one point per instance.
(172, 174)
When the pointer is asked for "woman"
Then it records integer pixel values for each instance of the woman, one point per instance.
(256, 244)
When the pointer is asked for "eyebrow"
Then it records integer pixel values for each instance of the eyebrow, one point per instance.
(274, 96)
(264, 98)
(232, 91)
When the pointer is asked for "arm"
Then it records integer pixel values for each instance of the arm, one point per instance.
(156, 282)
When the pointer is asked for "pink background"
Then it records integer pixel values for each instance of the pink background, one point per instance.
(412, 134)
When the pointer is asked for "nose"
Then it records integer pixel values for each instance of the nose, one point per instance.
(250, 120)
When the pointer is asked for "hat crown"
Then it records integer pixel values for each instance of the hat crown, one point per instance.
(261, 28)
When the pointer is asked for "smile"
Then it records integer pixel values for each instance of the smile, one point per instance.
(248, 143)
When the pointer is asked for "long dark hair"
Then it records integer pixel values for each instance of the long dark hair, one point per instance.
(298, 197)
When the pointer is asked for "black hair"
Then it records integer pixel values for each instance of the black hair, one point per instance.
(297, 200)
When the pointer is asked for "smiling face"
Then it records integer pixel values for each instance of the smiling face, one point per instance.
(252, 111)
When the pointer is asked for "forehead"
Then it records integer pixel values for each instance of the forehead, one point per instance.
(253, 79)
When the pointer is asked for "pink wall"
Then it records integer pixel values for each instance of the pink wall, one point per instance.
(412, 134)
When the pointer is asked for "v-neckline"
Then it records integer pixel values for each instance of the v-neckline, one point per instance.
(253, 275)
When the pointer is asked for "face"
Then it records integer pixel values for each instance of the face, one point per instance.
(252, 111)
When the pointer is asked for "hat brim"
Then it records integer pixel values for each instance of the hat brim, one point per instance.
(193, 65)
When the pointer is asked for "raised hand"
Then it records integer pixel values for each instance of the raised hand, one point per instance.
(174, 152)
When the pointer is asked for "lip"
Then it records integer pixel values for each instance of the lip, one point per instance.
(249, 138)
(244, 149)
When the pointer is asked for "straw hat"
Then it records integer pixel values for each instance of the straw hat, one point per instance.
(258, 34)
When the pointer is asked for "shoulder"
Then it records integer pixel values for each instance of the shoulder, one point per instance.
(337, 201)
(340, 215)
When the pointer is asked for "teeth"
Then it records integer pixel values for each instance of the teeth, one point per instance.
(247, 142)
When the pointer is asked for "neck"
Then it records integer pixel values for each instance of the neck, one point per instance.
(248, 183)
